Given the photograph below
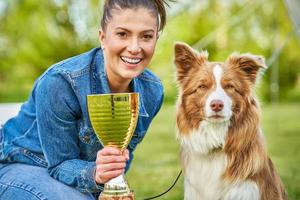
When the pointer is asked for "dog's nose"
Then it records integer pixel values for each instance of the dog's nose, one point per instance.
(216, 105)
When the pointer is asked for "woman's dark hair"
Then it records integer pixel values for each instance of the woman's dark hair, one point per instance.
(156, 6)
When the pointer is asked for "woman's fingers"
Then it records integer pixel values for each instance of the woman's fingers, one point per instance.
(110, 151)
(110, 159)
(110, 154)
(126, 154)
(110, 163)
(110, 167)
(104, 177)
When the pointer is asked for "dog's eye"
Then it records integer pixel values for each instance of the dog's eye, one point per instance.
(229, 86)
(202, 87)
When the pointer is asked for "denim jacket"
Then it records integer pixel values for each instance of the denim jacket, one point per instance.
(53, 129)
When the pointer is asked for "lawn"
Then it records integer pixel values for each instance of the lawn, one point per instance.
(156, 163)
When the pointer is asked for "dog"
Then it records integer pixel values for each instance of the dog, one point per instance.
(222, 149)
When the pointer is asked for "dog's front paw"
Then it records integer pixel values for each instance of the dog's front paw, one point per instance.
(243, 191)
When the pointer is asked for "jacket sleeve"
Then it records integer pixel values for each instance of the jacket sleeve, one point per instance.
(158, 107)
(57, 111)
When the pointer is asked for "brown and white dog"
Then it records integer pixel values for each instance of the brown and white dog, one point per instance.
(218, 127)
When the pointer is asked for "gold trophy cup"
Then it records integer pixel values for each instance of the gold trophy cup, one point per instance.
(113, 118)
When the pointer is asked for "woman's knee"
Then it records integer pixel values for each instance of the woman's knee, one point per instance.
(27, 182)
(20, 192)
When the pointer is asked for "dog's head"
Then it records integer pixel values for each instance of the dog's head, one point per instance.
(214, 92)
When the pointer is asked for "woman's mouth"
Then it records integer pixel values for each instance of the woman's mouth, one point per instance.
(132, 61)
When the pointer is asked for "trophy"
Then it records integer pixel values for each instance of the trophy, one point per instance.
(113, 118)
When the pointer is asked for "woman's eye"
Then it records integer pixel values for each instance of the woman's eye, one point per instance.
(121, 34)
(147, 37)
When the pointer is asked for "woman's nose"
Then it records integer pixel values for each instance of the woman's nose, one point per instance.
(134, 47)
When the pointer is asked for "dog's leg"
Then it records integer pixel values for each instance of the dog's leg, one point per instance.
(247, 190)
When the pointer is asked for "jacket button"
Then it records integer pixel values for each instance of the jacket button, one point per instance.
(86, 138)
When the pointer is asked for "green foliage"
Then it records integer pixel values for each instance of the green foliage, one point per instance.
(156, 163)
(281, 127)
(36, 34)
(258, 27)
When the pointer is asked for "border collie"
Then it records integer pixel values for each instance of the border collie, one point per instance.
(223, 153)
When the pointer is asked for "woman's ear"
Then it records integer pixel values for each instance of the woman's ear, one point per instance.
(101, 38)
(157, 35)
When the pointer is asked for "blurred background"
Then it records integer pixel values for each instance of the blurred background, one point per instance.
(36, 34)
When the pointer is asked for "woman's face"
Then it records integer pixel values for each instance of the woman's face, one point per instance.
(129, 41)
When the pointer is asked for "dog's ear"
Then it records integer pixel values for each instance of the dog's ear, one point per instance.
(250, 64)
(185, 58)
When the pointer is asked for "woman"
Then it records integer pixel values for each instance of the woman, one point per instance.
(49, 151)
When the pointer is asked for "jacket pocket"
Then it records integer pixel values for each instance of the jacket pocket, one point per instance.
(23, 155)
(37, 158)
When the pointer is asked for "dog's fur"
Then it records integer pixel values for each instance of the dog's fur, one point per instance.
(218, 127)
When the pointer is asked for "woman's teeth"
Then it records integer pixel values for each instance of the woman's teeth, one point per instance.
(131, 60)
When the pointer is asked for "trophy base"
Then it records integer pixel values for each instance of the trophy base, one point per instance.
(129, 196)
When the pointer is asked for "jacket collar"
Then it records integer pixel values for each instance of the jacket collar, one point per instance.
(99, 82)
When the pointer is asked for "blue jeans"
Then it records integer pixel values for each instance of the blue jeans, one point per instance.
(27, 182)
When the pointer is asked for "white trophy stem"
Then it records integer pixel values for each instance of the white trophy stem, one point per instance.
(119, 180)
(116, 186)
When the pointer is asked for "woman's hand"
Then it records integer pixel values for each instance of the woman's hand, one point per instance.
(110, 163)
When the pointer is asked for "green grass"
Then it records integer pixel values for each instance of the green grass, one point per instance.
(156, 163)
(281, 125)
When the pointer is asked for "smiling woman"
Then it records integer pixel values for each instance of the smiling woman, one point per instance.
(49, 150)
(129, 43)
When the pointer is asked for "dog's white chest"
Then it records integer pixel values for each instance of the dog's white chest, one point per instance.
(203, 176)
(204, 168)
